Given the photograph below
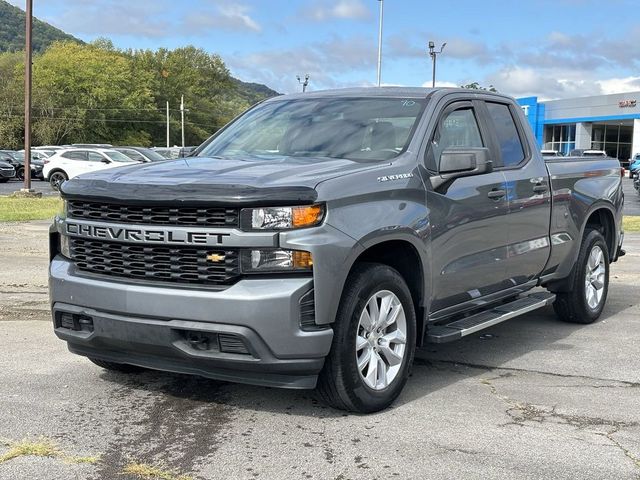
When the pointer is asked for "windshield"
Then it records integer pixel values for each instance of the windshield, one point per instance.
(153, 156)
(365, 129)
(118, 157)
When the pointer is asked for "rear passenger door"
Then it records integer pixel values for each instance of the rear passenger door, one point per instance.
(467, 215)
(74, 162)
(528, 193)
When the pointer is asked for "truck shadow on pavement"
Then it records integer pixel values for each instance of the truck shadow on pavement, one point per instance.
(535, 333)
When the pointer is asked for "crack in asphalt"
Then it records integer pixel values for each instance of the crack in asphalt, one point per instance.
(623, 383)
(520, 413)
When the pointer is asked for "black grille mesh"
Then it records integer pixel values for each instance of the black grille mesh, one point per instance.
(156, 215)
(182, 265)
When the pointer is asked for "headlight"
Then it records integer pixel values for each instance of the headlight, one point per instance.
(62, 213)
(270, 261)
(281, 218)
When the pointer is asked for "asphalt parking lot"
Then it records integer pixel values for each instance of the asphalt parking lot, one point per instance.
(531, 398)
(37, 185)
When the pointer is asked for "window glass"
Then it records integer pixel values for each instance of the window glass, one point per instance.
(507, 133)
(95, 157)
(459, 128)
(75, 155)
(118, 157)
(133, 155)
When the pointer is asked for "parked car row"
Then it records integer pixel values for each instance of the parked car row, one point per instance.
(57, 164)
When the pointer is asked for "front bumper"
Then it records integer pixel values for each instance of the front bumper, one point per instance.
(7, 173)
(154, 327)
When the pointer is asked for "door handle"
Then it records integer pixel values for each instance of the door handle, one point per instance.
(540, 188)
(496, 194)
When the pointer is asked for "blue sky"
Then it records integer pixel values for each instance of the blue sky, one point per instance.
(549, 48)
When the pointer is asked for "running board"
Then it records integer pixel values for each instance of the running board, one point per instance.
(466, 326)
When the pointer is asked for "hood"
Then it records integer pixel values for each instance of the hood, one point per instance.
(4, 164)
(288, 180)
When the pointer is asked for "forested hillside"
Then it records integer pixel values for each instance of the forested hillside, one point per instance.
(96, 93)
(12, 30)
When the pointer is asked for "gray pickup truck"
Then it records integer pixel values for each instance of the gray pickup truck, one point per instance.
(319, 238)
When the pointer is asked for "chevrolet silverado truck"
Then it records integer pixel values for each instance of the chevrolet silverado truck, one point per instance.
(319, 238)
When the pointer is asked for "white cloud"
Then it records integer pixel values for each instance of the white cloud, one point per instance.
(228, 16)
(342, 9)
(619, 85)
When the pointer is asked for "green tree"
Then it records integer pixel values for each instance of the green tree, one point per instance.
(86, 93)
(477, 86)
(11, 100)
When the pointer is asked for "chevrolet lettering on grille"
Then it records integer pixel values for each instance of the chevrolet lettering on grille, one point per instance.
(144, 235)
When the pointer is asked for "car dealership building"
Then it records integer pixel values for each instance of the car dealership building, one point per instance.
(604, 122)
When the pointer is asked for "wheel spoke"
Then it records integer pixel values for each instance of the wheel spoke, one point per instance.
(372, 371)
(374, 311)
(364, 359)
(390, 355)
(386, 304)
(395, 337)
(361, 342)
(366, 321)
(382, 373)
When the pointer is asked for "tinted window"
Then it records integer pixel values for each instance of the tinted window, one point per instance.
(76, 155)
(459, 129)
(508, 137)
(118, 157)
(95, 157)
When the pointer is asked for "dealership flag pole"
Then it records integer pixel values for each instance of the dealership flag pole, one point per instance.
(167, 124)
(27, 98)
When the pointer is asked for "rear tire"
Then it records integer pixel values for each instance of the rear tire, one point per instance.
(20, 173)
(4, 180)
(117, 367)
(588, 284)
(370, 360)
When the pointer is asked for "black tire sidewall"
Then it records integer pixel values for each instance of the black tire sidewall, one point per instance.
(368, 280)
(592, 238)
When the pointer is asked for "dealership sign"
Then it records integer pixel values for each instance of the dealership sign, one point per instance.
(627, 103)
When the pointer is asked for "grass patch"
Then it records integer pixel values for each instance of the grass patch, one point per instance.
(81, 460)
(41, 448)
(631, 224)
(22, 209)
(150, 472)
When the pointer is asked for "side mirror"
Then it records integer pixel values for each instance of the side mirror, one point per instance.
(461, 162)
(105, 160)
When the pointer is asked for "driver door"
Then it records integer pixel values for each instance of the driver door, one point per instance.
(468, 215)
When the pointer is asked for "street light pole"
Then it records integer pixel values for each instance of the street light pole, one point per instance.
(304, 83)
(433, 53)
(27, 97)
(167, 124)
(182, 117)
(381, 2)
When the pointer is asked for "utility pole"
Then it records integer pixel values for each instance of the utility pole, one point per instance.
(182, 117)
(304, 83)
(27, 98)
(381, 2)
(167, 124)
(433, 53)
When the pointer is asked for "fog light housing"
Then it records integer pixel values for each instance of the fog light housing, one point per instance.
(270, 261)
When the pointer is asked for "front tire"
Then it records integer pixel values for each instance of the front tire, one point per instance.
(588, 286)
(373, 343)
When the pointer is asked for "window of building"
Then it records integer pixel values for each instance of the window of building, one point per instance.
(560, 137)
(613, 139)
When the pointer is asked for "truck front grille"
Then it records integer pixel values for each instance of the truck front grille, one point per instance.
(156, 215)
(177, 265)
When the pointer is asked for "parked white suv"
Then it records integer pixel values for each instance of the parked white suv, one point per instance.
(66, 164)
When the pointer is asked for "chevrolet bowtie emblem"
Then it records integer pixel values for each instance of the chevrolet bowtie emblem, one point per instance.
(215, 257)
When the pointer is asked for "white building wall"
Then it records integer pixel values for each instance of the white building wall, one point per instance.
(583, 135)
(635, 146)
